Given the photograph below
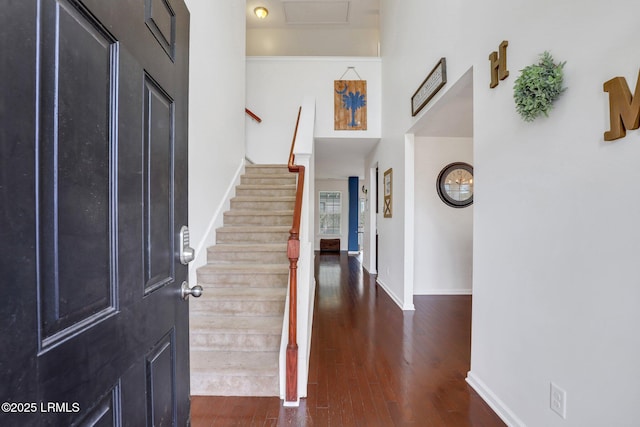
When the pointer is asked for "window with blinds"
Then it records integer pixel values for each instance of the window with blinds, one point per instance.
(330, 212)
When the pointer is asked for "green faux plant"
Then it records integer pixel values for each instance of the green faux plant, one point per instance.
(537, 87)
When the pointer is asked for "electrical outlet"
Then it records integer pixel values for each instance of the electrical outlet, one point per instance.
(558, 401)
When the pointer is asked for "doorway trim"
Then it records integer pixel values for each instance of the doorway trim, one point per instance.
(409, 215)
(438, 109)
(371, 264)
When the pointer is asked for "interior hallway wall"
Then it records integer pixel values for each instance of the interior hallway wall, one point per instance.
(216, 114)
(443, 257)
(276, 87)
(556, 292)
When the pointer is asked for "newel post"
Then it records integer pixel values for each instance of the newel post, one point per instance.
(293, 253)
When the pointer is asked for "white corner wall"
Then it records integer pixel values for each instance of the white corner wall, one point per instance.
(443, 236)
(341, 185)
(276, 87)
(216, 115)
(556, 235)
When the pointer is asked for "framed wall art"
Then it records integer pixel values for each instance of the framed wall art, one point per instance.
(388, 193)
(429, 87)
(350, 104)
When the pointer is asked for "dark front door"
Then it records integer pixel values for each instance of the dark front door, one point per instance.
(93, 192)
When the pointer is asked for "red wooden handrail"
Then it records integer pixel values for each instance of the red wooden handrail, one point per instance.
(253, 115)
(293, 252)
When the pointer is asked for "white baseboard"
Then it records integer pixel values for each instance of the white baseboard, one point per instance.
(408, 306)
(445, 292)
(498, 406)
(371, 271)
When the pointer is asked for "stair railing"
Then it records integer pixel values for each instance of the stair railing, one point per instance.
(293, 253)
(253, 115)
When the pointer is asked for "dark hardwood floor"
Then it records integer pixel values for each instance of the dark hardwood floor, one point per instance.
(371, 364)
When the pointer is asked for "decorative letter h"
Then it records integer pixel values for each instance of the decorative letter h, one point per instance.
(499, 64)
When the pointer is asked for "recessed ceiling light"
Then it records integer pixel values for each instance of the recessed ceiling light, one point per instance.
(261, 12)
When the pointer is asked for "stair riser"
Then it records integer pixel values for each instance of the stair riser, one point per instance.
(264, 237)
(276, 180)
(271, 192)
(257, 280)
(262, 170)
(284, 220)
(212, 385)
(274, 205)
(215, 257)
(203, 341)
(238, 308)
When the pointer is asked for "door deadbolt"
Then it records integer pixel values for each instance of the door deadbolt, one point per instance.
(187, 254)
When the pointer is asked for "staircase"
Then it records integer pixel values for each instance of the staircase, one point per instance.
(236, 325)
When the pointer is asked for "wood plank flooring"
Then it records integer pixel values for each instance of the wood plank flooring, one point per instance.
(371, 364)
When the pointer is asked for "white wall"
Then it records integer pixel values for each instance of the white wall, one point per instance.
(216, 115)
(341, 185)
(556, 234)
(276, 87)
(443, 236)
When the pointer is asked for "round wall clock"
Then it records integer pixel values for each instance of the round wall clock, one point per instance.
(455, 185)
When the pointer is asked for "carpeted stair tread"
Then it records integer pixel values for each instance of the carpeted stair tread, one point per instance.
(266, 187)
(247, 275)
(253, 229)
(267, 179)
(267, 168)
(256, 212)
(265, 198)
(241, 247)
(244, 294)
(238, 324)
(284, 175)
(243, 268)
(259, 253)
(236, 363)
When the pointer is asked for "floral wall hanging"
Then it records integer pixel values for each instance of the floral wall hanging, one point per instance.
(537, 87)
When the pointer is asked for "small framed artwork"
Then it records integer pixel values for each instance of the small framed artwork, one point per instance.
(388, 193)
(429, 87)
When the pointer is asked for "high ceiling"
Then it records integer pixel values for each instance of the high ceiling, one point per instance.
(313, 28)
(315, 13)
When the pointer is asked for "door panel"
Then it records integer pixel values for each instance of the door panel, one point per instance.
(161, 382)
(93, 191)
(75, 161)
(158, 186)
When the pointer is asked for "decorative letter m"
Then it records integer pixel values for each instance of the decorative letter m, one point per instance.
(624, 110)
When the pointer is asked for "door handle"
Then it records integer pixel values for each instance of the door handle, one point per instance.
(187, 254)
(185, 291)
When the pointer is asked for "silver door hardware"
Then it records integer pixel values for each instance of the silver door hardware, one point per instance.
(187, 254)
(185, 291)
